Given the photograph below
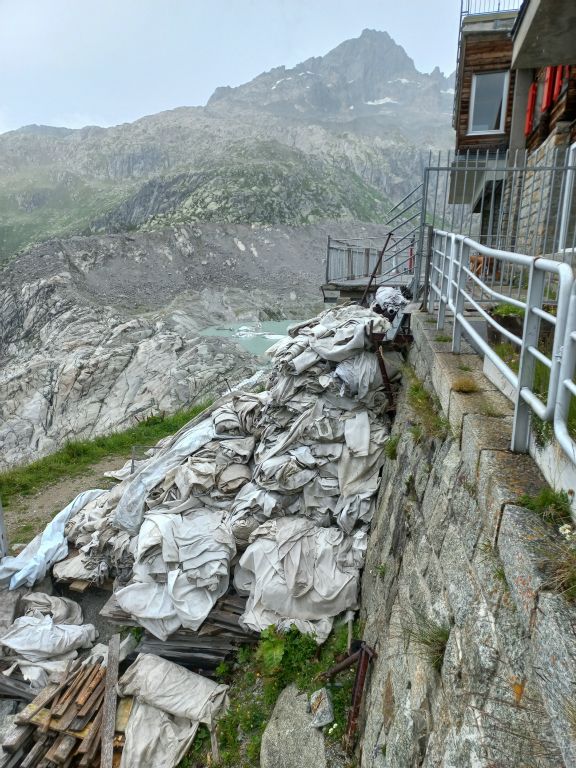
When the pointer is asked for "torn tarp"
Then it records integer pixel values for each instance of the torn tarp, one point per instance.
(31, 565)
(296, 572)
(287, 476)
(170, 702)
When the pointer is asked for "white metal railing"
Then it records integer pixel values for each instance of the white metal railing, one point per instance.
(566, 386)
(453, 278)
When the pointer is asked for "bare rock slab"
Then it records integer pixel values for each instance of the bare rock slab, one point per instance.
(290, 740)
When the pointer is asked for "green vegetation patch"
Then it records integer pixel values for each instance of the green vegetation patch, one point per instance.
(553, 506)
(429, 636)
(391, 447)
(507, 310)
(76, 456)
(426, 409)
(256, 680)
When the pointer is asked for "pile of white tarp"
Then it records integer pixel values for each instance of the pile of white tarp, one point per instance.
(286, 478)
(31, 565)
(170, 703)
(49, 634)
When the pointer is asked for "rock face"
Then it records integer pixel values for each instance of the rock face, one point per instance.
(476, 658)
(99, 332)
(337, 136)
(289, 740)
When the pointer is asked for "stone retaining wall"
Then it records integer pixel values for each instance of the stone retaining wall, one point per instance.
(451, 552)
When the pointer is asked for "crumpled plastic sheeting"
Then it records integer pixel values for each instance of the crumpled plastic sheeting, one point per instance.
(37, 639)
(294, 571)
(31, 565)
(130, 510)
(170, 702)
(155, 739)
(306, 452)
(61, 609)
(181, 568)
(173, 689)
(40, 673)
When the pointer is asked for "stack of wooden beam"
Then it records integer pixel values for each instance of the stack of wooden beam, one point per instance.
(73, 723)
(203, 650)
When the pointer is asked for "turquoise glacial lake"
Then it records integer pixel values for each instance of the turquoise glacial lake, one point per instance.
(255, 337)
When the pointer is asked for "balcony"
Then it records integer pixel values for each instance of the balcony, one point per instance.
(488, 7)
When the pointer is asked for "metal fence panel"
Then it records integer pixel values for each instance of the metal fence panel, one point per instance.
(453, 281)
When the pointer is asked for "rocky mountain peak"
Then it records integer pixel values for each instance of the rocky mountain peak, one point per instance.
(363, 75)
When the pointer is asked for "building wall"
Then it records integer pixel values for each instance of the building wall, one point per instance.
(482, 53)
(563, 110)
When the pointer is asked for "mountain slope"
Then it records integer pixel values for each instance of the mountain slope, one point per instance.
(338, 136)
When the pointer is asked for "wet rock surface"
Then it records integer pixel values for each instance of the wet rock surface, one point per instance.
(98, 333)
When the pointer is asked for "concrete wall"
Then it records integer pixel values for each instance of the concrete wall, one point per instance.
(450, 546)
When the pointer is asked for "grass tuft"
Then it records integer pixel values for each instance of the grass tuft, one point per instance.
(465, 384)
(426, 409)
(558, 561)
(430, 637)
(507, 310)
(442, 337)
(551, 505)
(391, 446)
(76, 456)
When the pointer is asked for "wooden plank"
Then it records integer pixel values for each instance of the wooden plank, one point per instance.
(54, 748)
(44, 697)
(34, 755)
(79, 585)
(39, 719)
(91, 735)
(63, 723)
(76, 686)
(64, 750)
(94, 683)
(16, 736)
(123, 712)
(109, 706)
(92, 703)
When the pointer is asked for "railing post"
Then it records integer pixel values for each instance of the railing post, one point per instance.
(463, 261)
(366, 262)
(446, 260)
(566, 375)
(3, 538)
(418, 259)
(328, 251)
(521, 427)
(350, 264)
(427, 293)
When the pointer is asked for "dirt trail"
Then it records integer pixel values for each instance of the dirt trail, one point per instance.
(28, 515)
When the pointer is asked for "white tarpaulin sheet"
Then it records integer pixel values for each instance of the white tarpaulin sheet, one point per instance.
(170, 703)
(296, 571)
(37, 639)
(31, 565)
(61, 609)
(130, 509)
(288, 477)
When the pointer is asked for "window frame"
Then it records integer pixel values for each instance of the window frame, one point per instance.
(506, 87)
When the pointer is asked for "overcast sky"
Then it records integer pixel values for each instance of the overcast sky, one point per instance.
(104, 62)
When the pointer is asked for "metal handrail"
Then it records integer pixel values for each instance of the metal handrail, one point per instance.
(451, 274)
(566, 386)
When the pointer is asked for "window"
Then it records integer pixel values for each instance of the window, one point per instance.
(488, 102)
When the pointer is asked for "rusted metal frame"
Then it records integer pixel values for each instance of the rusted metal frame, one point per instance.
(367, 654)
(341, 666)
(375, 270)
